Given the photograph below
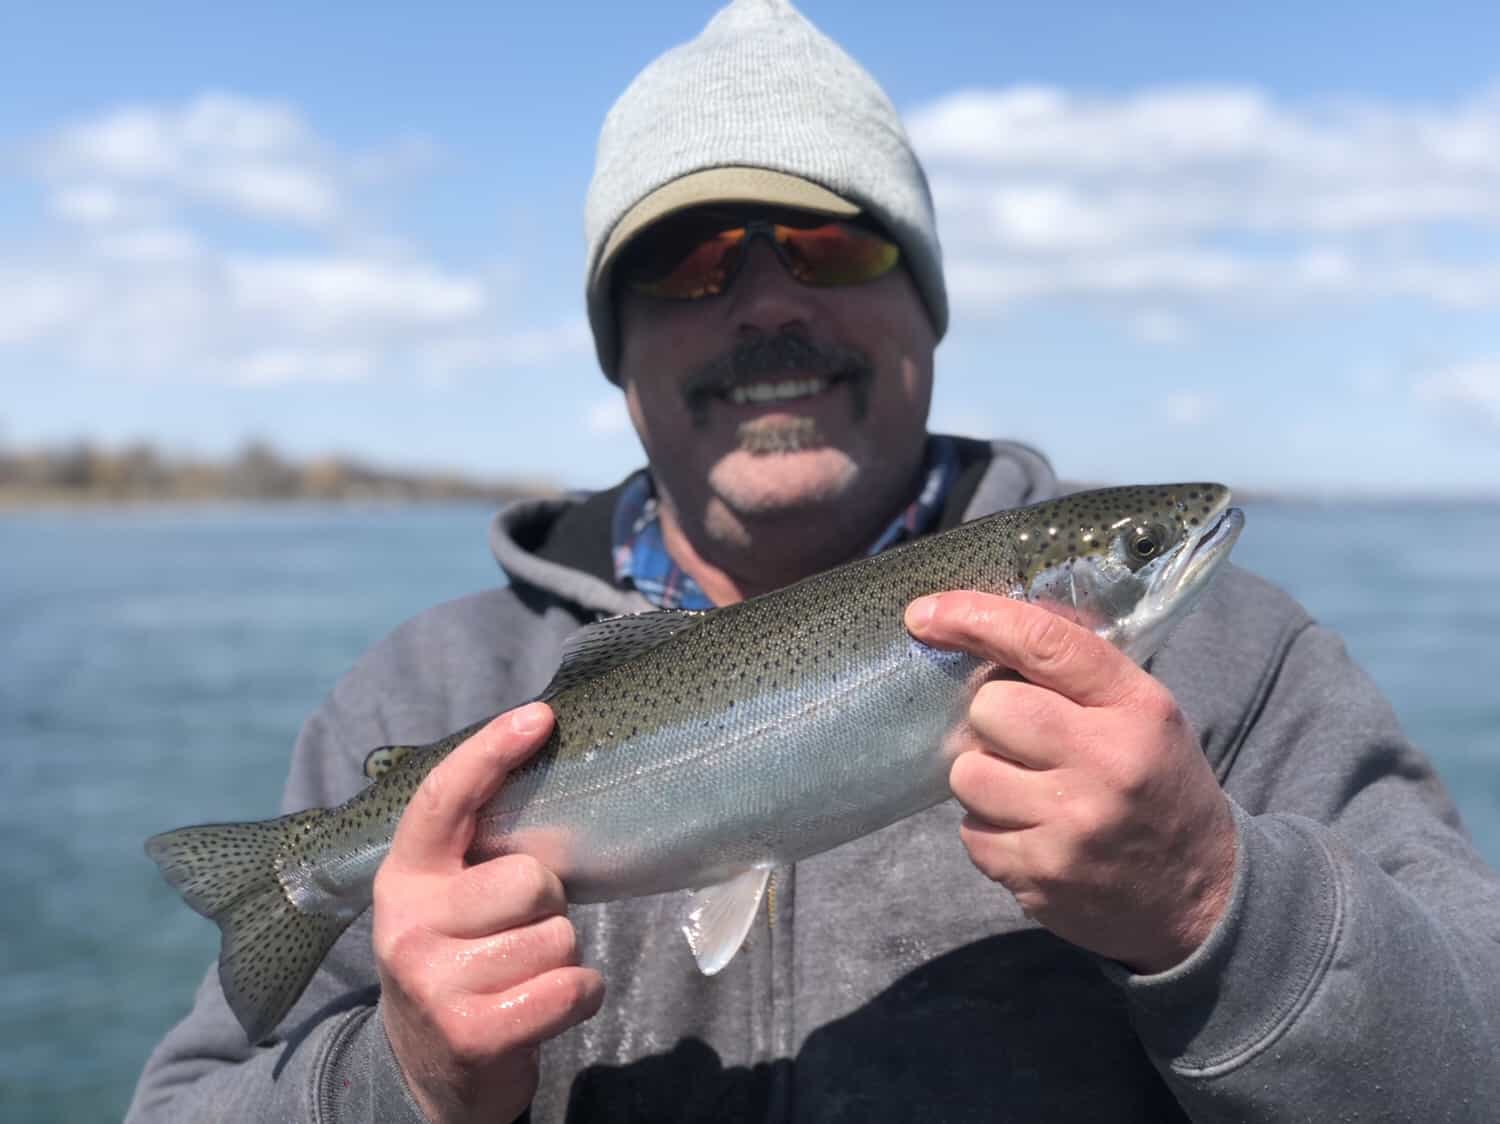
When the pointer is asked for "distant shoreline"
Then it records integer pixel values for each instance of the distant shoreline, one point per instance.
(83, 476)
(67, 504)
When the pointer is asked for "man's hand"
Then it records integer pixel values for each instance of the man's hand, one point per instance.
(478, 963)
(1089, 797)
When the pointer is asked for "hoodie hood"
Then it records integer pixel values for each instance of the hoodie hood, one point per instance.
(561, 548)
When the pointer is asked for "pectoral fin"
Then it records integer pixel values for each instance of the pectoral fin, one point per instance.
(720, 916)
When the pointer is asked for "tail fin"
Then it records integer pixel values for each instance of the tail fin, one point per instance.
(269, 948)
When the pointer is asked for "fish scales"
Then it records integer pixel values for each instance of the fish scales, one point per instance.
(742, 651)
(700, 750)
(735, 742)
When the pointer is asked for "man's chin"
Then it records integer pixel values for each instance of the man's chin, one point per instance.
(757, 483)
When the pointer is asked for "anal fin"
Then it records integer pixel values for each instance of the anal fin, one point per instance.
(720, 917)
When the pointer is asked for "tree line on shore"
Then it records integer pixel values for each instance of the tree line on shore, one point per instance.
(86, 472)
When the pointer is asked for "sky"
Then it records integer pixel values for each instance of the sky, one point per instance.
(1254, 243)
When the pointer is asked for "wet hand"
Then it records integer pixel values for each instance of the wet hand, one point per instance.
(478, 962)
(1088, 795)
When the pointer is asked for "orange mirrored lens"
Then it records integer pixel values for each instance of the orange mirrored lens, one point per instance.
(702, 271)
(696, 264)
(836, 254)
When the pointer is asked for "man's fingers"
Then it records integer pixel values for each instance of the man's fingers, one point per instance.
(1033, 641)
(541, 1009)
(499, 894)
(505, 960)
(1004, 855)
(1006, 796)
(438, 824)
(1024, 723)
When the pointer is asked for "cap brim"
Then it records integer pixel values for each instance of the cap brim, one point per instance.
(720, 185)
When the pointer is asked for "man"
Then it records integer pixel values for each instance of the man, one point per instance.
(1228, 890)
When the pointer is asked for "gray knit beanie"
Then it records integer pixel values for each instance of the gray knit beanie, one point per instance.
(762, 107)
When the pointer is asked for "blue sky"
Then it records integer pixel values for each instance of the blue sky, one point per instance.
(1259, 243)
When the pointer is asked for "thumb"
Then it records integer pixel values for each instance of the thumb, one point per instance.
(438, 825)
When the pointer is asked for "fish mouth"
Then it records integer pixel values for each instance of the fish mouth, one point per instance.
(1202, 554)
(1176, 588)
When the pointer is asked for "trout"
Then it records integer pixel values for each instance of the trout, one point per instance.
(700, 750)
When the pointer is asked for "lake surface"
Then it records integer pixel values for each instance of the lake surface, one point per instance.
(155, 667)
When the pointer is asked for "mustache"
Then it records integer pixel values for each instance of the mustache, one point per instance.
(761, 354)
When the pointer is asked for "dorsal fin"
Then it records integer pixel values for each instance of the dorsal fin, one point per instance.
(597, 647)
(379, 762)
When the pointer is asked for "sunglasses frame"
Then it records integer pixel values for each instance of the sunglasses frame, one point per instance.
(750, 229)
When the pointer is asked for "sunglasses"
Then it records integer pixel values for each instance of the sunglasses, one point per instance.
(700, 255)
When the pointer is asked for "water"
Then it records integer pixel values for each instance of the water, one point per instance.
(155, 667)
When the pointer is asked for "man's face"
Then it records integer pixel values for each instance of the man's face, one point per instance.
(774, 395)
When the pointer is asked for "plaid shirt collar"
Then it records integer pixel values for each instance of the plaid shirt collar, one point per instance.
(642, 561)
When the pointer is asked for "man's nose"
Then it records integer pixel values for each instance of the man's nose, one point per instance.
(765, 296)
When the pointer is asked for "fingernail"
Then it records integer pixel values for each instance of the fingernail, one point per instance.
(921, 611)
(528, 720)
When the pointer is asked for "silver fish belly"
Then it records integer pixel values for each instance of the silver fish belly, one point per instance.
(788, 774)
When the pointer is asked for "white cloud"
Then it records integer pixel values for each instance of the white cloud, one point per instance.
(981, 284)
(327, 291)
(1040, 126)
(534, 346)
(147, 244)
(96, 204)
(33, 304)
(136, 271)
(131, 144)
(1169, 131)
(978, 283)
(269, 191)
(1209, 192)
(283, 365)
(249, 157)
(1326, 268)
(1469, 390)
(1158, 326)
(244, 125)
(161, 302)
(497, 348)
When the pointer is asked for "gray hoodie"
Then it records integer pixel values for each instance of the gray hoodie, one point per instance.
(1355, 975)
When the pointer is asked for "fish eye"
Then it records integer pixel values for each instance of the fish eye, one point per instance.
(1146, 542)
